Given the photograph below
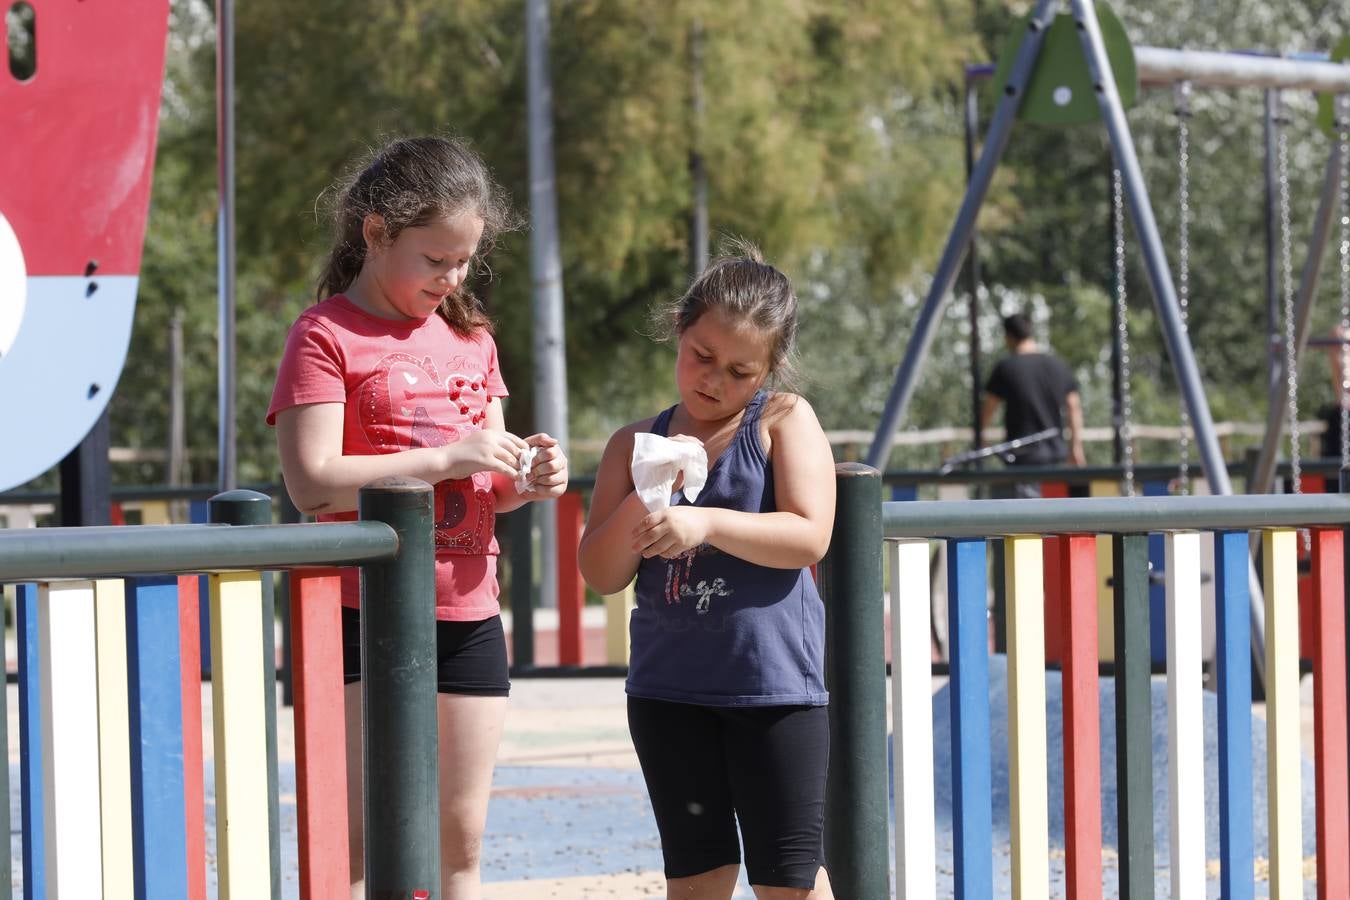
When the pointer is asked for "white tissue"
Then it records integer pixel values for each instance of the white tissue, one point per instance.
(523, 480)
(657, 461)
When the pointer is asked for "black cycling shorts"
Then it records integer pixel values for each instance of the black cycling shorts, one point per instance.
(707, 767)
(470, 656)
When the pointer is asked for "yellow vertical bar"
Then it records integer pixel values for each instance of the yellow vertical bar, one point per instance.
(238, 717)
(1280, 555)
(155, 512)
(1106, 616)
(114, 738)
(1028, 767)
(617, 608)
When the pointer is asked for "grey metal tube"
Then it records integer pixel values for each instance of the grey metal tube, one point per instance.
(27, 554)
(925, 328)
(1263, 474)
(225, 255)
(1208, 68)
(550, 363)
(1109, 515)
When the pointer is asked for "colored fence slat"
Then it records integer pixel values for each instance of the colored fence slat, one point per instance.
(6, 861)
(320, 732)
(1027, 769)
(1082, 732)
(1329, 715)
(912, 702)
(1134, 715)
(972, 766)
(70, 736)
(1185, 716)
(617, 609)
(194, 789)
(114, 750)
(1233, 666)
(157, 729)
(243, 846)
(30, 743)
(1280, 557)
(571, 589)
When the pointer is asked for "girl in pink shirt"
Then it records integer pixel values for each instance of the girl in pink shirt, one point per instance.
(394, 372)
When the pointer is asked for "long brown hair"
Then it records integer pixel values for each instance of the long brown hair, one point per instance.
(410, 182)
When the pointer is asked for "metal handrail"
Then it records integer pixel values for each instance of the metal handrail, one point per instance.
(1110, 515)
(90, 552)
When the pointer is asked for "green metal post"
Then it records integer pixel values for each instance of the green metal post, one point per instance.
(857, 849)
(398, 662)
(1134, 716)
(242, 507)
(290, 516)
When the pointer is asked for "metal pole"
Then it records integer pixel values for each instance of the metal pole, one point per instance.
(996, 140)
(1207, 68)
(225, 258)
(398, 697)
(856, 836)
(550, 363)
(241, 507)
(522, 586)
(1272, 212)
(698, 175)
(1263, 474)
(972, 122)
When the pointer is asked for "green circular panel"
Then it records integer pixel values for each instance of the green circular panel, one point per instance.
(1060, 90)
(1326, 115)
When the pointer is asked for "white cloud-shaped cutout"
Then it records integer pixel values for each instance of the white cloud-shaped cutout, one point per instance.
(13, 286)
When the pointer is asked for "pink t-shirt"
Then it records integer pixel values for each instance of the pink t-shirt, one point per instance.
(406, 384)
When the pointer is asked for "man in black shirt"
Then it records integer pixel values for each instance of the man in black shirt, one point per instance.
(1035, 389)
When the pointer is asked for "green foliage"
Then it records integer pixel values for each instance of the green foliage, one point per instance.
(831, 135)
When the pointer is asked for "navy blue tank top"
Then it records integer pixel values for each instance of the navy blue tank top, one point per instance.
(713, 629)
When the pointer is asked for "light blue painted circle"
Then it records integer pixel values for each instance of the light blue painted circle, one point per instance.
(13, 286)
(62, 368)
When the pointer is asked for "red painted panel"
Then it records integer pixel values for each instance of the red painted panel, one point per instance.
(1054, 489)
(79, 136)
(320, 733)
(1051, 551)
(571, 589)
(1082, 737)
(1329, 716)
(194, 792)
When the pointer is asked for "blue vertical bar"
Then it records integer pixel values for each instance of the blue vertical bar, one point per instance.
(1157, 589)
(972, 766)
(30, 744)
(154, 695)
(1233, 659)
(904, 492)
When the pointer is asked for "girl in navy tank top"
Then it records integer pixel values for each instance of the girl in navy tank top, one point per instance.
(726, 695)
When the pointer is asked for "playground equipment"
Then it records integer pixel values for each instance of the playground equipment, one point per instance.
(966, 527)
(80, 140)
(1153, 65)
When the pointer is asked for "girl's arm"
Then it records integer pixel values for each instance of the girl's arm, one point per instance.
(548, 474)
(606, 557)
(320, 479)
(796, 535)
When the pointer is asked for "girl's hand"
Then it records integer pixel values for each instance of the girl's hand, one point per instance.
(670, 532)
(548, 474)
(483, 451)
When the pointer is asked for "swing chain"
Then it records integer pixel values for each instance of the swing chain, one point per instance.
(1343, 134)
(1122, 313)
(1182, 94)
(1290, 349)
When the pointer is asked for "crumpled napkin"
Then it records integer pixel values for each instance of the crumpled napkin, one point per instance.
(523, 480)
(657, 461)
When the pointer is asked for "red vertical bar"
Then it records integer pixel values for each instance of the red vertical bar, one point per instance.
(571, 589)
(1055, 489)
(194, 792)
(1082, 738)
(1051, 551)
(320, 732)
(1329, 716)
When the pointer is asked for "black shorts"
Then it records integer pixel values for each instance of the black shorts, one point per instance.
(707, 767)
(470, 656)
